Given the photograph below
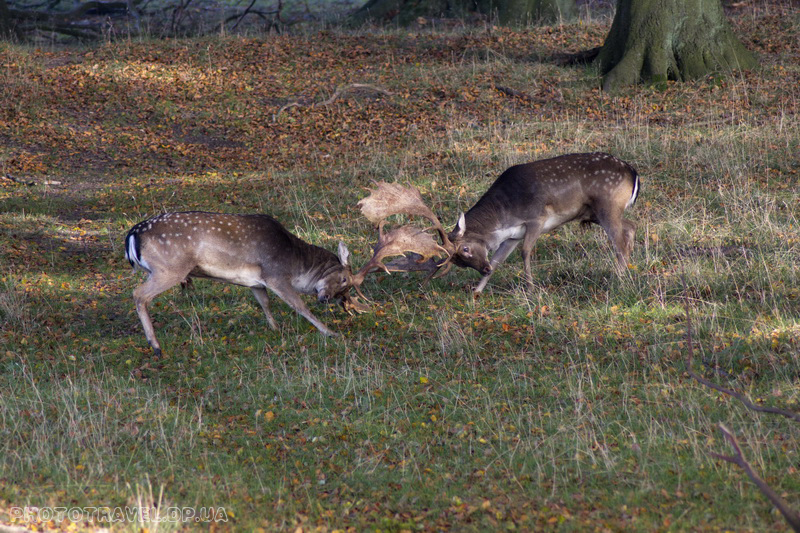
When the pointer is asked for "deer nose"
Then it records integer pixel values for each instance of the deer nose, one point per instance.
(486, 270)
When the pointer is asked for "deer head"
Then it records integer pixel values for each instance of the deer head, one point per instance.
(469, 253)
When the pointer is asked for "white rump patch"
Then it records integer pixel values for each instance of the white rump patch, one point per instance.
(634, 194)
(131, 255)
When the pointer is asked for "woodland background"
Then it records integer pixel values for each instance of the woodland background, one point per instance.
(569, 407)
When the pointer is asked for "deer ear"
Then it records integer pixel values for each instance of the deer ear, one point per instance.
(461, 227)
(344, 254)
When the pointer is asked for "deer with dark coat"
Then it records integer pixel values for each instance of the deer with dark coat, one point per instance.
(524, 202)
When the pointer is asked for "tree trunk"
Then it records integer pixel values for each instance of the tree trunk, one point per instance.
(7, 26)
(659, 40)
(507, 11)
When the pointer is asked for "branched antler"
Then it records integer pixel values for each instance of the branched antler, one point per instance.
(417, 248)
(352, 305)
(399, 241)
(389, 199)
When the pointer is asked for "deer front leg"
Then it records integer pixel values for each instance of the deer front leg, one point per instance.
(289, 295)
(263, 300)
(503, 251)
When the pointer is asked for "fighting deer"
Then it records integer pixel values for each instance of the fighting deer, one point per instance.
(254, 251)
(524, 202)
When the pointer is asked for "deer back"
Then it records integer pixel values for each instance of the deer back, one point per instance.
(566, 187)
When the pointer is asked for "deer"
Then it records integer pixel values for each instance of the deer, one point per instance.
(526, 201)
(253, 251)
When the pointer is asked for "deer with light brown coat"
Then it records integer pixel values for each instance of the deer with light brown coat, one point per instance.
(254, 251)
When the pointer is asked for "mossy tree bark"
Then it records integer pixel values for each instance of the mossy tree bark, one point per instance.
(507, 11)
(658, 40)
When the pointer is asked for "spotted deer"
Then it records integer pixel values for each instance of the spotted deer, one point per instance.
(254, 251)
(524, 202)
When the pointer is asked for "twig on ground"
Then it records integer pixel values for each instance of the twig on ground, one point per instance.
(513, 93)
(789, 514)
(11, 178)
(729, 392)
(335, 96)
(353, 87)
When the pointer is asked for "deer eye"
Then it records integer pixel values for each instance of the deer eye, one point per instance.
(465, 249)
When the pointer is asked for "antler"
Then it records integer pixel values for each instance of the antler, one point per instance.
(389, 199)
(398, 242)
(417, 247)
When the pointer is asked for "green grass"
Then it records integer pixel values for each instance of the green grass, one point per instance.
(566, 407)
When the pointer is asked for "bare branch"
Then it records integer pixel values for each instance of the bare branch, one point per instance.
(262, 14)
(700, 379)
(353, 87)
(788, 513)
(244, 13)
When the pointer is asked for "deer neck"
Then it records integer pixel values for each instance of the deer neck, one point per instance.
(313, 264)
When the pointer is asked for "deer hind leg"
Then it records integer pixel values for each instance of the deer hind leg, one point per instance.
(621, 233)
(143, 294)
(263, 299)
(628, 234)
(289, 295)
(500, 255)
(531, 234)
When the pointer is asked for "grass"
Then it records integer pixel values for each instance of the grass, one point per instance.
(567, 407)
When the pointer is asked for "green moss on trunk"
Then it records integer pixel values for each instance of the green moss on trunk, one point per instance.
(654, 40)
